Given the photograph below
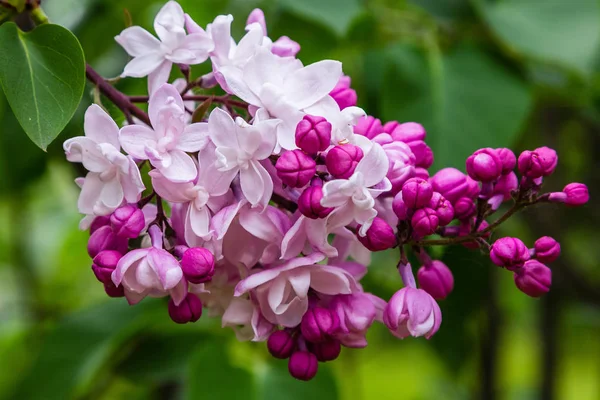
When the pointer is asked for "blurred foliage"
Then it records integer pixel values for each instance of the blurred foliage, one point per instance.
(517, 73)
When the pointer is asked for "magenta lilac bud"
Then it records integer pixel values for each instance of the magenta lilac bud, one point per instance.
(577, 194)
(104, 239)
(436, 279)
(424, 222)
(442, 207)
(416, 193)
(99, 222)
(114, 291)
(399, 207)
(198, 265)
(303, 365)
(484, 165)
(368, 126)
(506, 185)
(189, 310)
(295, 168)
(537, 163)
(464, 229)
(509, 252)
(326, 351)
(546, 249)
(309, 203)
(423, 153)
(412, 312)
(341, 160)
(318, 324)
(534, 278)
(406, 132)
(464, 208)
(380, 236)
(343, 94)
(402, 163)
(128, 221)
(508, 159)
(104, 264)
(450, 183)
(313, 134)
(281, 344)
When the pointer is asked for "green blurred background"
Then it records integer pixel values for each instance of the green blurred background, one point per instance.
(518, 73)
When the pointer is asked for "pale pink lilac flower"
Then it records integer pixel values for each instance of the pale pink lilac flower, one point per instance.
(154, 57)
(113, 177)
(169, 140)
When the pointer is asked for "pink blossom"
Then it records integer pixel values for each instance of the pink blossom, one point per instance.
(113, 177)
(282, 290)
(167, 144)
(153, 57)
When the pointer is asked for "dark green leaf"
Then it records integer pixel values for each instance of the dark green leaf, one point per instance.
(334, 14)
(43, 75)
(212, 376)
(562, 32)
(277, 384)
(464, 100)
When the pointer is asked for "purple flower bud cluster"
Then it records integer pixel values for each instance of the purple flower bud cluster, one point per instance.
(267, 217)
(531, 274)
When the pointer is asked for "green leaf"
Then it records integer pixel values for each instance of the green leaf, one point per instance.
(334, 14)
(200, 112)
(277, 384)
(74, 352)
(211, 375)
(464, 100)
(562, 32)
(43, 76)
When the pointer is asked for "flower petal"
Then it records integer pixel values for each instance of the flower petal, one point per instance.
(142, 66)
(181, 169)
(137, 41)
(374, 165)
(307, 85)
(193, 138)
(100, 127)
(135, 139)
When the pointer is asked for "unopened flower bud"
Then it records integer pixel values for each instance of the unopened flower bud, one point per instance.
(416, 193)
(406, 132)
(128, 221)
(309, 203)
(402, 164)
(423, 153)
(450, 183)
(484, 165)
(318, 324)
(412, 312)
(281, 344)
(546, 249)
(442, 207)
(326, 351)
(343, 94)
(424, 222)
(104, 264)
(509, 252)
(380, 236)
(105, 239)
(114, 291)
(295, 168)
(99, 222)
(537, 163)
(189, 310)
(506, 184)
(368, 126)
(303, 365)
(399, 207)
(198, 265)
(313, 134)
(285, 47)
(436, 279)
(464, 208)
(421, 173)
(534, 278)
(508, 159)
(577, 194)
(341, 160)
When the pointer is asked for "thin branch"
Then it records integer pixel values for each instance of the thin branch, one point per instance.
(225, 99)
(119, 99)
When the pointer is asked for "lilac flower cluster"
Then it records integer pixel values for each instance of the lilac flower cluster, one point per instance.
(265, 212)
